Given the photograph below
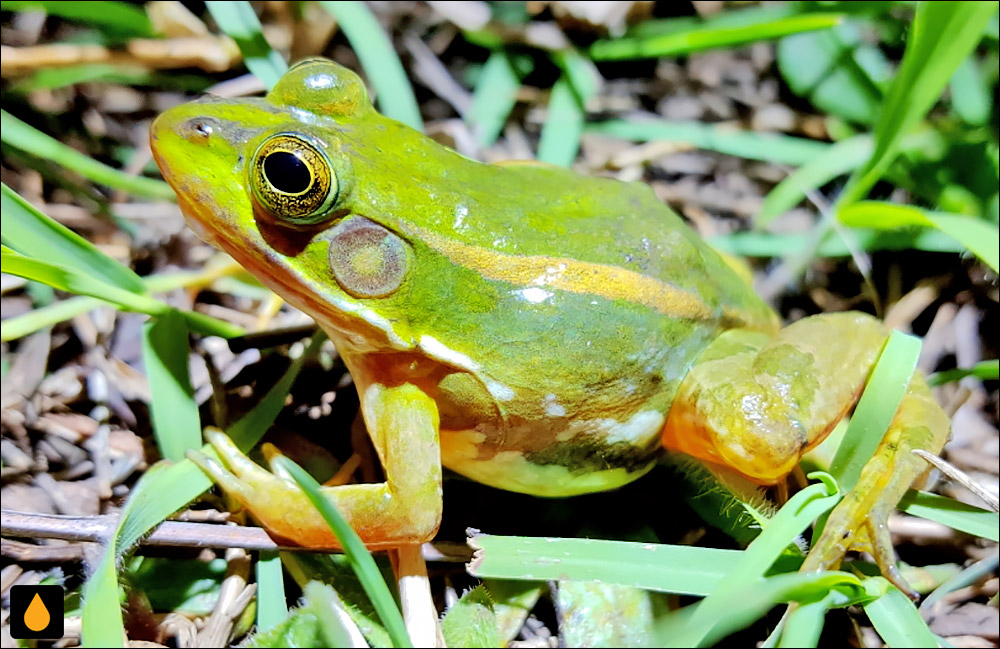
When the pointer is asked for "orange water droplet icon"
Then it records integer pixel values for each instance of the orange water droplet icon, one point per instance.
(37, 616)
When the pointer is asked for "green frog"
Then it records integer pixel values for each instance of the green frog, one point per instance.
(526, 326)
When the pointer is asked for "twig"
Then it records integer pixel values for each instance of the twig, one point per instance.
(177, 534)
(962, 478)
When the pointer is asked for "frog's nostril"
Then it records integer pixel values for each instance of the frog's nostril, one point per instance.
(198, 129)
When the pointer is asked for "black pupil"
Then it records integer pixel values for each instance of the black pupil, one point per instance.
(286, 172)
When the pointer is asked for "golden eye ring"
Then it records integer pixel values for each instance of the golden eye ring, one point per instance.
(292, 179)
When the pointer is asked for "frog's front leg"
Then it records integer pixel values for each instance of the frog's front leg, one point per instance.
(403, 424)
(757, 404)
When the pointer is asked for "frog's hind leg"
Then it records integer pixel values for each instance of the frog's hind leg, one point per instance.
(757, 404)
(860, 520)
(405, 509)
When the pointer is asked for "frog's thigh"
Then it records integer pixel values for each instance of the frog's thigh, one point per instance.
(406, 508)
(757, 403)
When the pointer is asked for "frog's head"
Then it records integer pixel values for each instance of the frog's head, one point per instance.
(270, 182)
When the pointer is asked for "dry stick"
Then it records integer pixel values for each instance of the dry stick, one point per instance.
(962, 478)
(178, 534)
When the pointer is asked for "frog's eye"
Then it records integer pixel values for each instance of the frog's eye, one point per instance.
(366, 259)
(292, 179)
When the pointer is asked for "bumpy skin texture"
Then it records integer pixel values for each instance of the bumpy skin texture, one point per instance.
(536, 330)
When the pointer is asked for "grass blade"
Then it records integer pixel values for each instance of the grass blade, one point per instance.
(34, 234)
(239, 22)
(980, 237)
(987, 370)
(355, 551)
(895, 617)
(981, 569)
(121, 18)
(161, 491)
(876, 408)
(560, 139)
(379, 60)
(709, 620)
(272, 608)
(667, 568)
(941, 36)
(804, 624)
(176, 423)
(30, 140)
(769, 147)
(970, 94)
(75, 281)
(770, 244)
(493, 98)
(956, 515)
(839, 159)
(736, 609)
(710, 35)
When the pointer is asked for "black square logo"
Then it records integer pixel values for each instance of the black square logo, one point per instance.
(36, 612)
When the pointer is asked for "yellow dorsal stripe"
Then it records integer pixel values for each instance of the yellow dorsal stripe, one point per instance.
(574, 276)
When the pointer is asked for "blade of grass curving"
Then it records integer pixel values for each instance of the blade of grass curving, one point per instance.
(710, 35)
(839, 159)
(895, 617)
(769, 147)
(272, 609)
(493, 98)
(379, 60)
(35, 235)
(164, 489)
(21, 136)
(668, 568)
(770, 244)
(240, 23)
(941, 36)
(560, 139)
(876, 408)
(46, 316)
(980, 237)
(736, 609)
(987, 370)
(356, 552)
(75, 281)
(176, 423)
(123, 18)
(956, 515)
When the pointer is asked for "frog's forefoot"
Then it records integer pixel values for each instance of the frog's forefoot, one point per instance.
(403, 510)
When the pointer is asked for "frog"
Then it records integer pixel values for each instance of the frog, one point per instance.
(526, 326)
